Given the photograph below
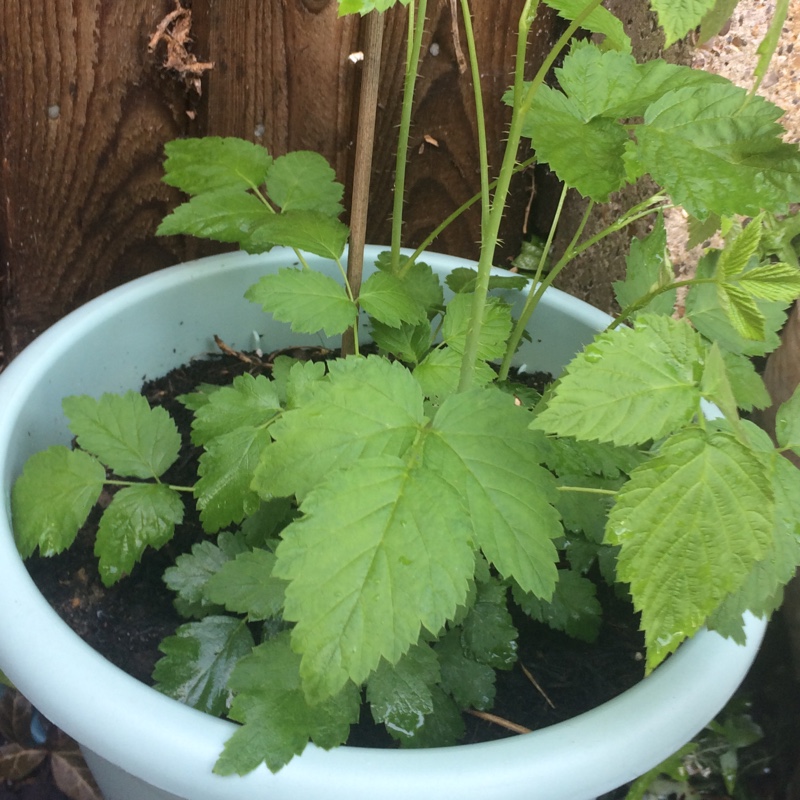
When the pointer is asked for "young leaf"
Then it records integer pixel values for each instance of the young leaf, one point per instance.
(691, 523)
(463, 280)
(742, 312)
(736, 255)
(391, 543)
(139, 516)
(52, 498)
(389, 300)
(127, 435)
(226, 470)
(648, 269)
(211, 162)
(246, 586)
(599, 21)
(199, 659)
(248, 402)
(400, 696)
(371, 407)
(439, 372)
(303, 180)
(776, 281)
(573, 609)
(192, 571)
(308, 300)
(488, 632)
(311, 231)
(277, 721)
(225, 215)
(678, 18)
(629, 385)
(480, 444)
(715, 149)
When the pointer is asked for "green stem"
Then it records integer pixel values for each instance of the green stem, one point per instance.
(112, 482)
(416, 28)
(650, 296)
(587, 490)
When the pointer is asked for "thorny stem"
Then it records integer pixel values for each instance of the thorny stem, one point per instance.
(367, 111)
(416, 27)
(523, 100)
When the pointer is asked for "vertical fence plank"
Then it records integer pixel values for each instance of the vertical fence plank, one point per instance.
(83, 113)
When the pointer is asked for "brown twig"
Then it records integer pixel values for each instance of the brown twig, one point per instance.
(494, 719)
(229, 351)
(542, 692)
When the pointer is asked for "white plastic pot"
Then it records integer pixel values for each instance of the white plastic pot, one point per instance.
(143, 745)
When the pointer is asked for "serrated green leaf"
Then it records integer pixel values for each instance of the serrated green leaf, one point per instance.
(246, 586)
(599, 21)
(586, 155)
(471, 684)
(389, 300)
(678, 17)
(277, 721)
(439, 372)
(629, 385)
(52, 498)
(400, 695)
(212, 162)
(787, 423)
(248, 402)
(714, 21)
(481, 445)
(585, 512)
(574, 607)
(762, 591)
(488, 632)
(691, 524)
(495, 329)
(567, 456)
(648, 268)
(226, 470)
(192, 571)
(373, 407)
(366, 540)
(311, 231)
(308, 300)
(425, 285)
(716, 149)
(199, 659)
(139, 516)
(365, 6)
(127, 435)
(303, 180)
(224, 215)
(409, 343)
(444, 727)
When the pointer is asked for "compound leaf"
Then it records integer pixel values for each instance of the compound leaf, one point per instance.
(312, 231)
(199, 659)
(139, 516)
(52, 498)
(390, 300)
(125, 433)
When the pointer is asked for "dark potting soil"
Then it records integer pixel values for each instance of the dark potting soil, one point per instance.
(556, 677)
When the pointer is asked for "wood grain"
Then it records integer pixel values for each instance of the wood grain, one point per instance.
(83, 112)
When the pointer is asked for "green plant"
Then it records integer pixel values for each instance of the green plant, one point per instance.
(375, 515)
